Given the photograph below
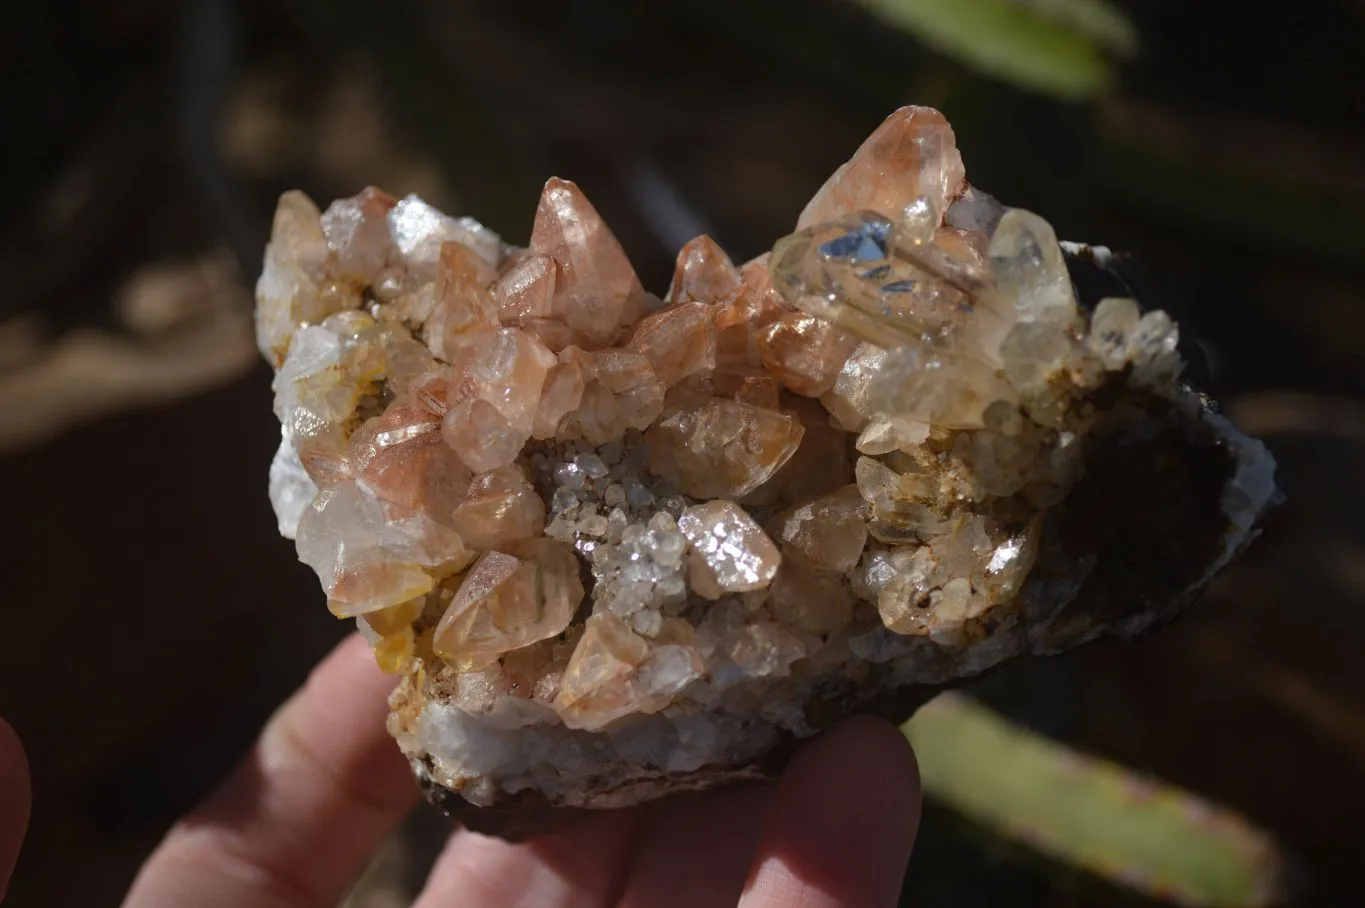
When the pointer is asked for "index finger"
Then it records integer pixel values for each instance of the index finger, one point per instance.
(300, 818)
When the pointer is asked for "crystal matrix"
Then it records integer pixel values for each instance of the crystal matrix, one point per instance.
(618, 546)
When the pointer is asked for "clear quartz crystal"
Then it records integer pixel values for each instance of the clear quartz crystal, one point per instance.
(1029, 268)
(292, 490)
(1113, 329)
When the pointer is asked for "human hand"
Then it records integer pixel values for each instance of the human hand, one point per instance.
(324, 785)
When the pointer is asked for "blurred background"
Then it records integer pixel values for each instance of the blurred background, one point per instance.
(155, 618)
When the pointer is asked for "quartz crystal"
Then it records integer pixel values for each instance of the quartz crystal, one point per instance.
(912, 154)
(722, 448)
(805, 353)
(704, 274)
(461, 311)
(617, 546)
(498, 508)
(742, 319)
(507, 602)
(596, 291)
(729, 551)
(678, 341)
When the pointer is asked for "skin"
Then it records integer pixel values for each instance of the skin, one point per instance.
(295, 824)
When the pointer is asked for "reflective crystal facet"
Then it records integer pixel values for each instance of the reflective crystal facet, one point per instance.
(463, 313)
(730, 553)
(805, 353)
(741, 320)
(526, 291)
(597, 685)
(341, 537)
(499, 508)
(420, 230)
(829, 531)
(357, 231)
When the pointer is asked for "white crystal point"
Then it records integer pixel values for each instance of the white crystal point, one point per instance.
(291, 489)
(419, 229)
(1113, 329)
(287, 291)
(314, 351)
(1029, 268)
(366, 559)
(1153, 347)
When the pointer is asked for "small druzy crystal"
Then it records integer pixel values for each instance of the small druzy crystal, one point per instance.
(617, 546)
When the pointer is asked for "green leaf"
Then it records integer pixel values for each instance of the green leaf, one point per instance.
(1136, 832)
(1095, 19)
(1051, 46)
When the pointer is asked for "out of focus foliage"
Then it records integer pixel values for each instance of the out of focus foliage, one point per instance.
(1064, 48)
(1133, 832)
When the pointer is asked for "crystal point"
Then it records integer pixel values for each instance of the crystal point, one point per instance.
(704, 274)
(1029, 267)
(730, 552)
(679, 340)
(912, 154)
(506, 602)
(805, 353)
(499, 508)
(293, 290)
(595, 285)
(357, 231)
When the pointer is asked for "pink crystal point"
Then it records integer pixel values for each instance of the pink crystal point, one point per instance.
(912, 154)
(704, 273)
(595, 284)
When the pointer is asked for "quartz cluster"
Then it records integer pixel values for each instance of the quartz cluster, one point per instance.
(618, 545)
